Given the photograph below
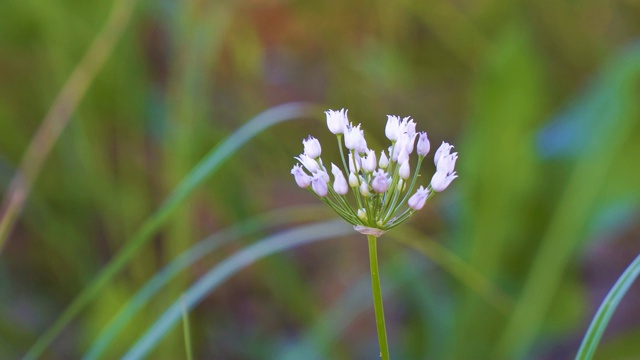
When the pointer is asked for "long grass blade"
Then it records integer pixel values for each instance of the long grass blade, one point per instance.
(605, 311)
(217, 275)
(191, 256)
(207, 166)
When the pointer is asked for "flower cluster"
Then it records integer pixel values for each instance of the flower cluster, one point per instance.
(381, 185)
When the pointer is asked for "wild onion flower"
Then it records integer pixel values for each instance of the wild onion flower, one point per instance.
(382, 187)
(382, 194)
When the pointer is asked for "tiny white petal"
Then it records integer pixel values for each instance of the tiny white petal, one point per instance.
(309, 163)
(441, 180)
(364, 189)
(369, 162)
(353, 180)
(384, 161)
(443, 150)
(353, 137)
(392, 129)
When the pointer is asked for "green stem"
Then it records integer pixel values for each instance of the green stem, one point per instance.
(377, 298)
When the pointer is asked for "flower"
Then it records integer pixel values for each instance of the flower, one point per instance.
(380, 181)
(302, 179)
(319, 184)
(312, 147)
(417, 200)
(382, 187)
(337, 121)
(340, 183)
(423, 144)
(443, 150)
(392, 130)
(369, 161)
(405, 171)
(444, 173)
(353, 137)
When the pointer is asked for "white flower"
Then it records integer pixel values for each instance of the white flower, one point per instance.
(408, 126)
(353, 180)
(308, 163)
(340, 184)
(417, 200)
(403, 156)
(302, 179)
(312, 147)
(444, 174)
(405, 171)
(392, 130)
(384, 161)
(337, 120)
(353, 137)
(443, 150)
(423, 144)
(380, 181)
(364, 189)
(319, 184)
(369, 161)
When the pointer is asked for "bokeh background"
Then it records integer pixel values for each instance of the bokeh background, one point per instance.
(540, 98)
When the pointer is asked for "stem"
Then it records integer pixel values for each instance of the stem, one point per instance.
(377, 298)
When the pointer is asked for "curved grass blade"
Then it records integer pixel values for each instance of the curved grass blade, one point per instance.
(217, 275)
(605, 311)
(457, 267)
(191, 256)
(206, 167)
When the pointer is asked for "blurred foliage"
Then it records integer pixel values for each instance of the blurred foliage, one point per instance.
(540, 99)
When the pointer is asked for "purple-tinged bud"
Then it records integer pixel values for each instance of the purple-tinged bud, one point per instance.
(445, 173)
(417, 200)
(380, 181)
(337, 120)
(302, 179)
(312, 147)
(319, 184)
(340, 184)
(423, 144)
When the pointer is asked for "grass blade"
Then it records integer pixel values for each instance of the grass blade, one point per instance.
(605, 311)
(207, 166)
(217, 275)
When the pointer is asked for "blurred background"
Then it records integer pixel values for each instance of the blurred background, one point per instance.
(540, 99)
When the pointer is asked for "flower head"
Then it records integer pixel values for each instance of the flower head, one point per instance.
(382, 187)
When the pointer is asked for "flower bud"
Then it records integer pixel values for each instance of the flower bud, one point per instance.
(417, 200)
(340, 184)
(405, 170)
(423, 144)
(392, 130)
(364, 189)
(380, 181)
(353, 137)
(443, 150)
(444, 174)
(355, 162)
(384, 161)
(369, 162)
(337, 120)
(319, 185)
(302, 179)
(362, 214)
(353, 180)
(400, 186)
(312, 147)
